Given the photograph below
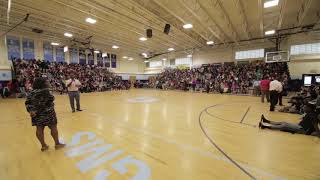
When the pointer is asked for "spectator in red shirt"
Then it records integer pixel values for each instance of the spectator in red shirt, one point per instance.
(264, 86)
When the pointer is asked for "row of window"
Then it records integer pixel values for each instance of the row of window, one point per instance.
(313, 48)
(302, 49)
(76, 55)
(173, 62)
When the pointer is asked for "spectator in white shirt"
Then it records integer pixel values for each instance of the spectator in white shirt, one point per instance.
(73, 92)
(275, 89)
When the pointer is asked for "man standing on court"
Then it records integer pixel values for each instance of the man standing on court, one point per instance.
(73, 92)
(264, 87)
(275, 89)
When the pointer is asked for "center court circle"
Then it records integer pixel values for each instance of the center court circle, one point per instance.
(143, 99)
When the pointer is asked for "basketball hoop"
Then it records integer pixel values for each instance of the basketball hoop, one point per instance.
(277, 56)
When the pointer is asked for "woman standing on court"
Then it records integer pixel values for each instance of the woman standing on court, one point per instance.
(40, 105)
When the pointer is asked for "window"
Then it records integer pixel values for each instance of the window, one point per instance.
(250, 54)
(172, 62)
(28, 48)
(48, 51)
(59, 54)
(155, 64)
(183, 61)
(13, 45)
(312, 48)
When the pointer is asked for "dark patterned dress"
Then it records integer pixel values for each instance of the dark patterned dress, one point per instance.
(41, 102)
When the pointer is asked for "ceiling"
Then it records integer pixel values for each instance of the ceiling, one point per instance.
(123, 22)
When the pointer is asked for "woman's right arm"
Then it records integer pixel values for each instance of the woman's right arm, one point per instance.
(30, 106)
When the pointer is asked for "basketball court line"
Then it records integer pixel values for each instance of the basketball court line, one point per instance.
(210, 114)
(188, 147)
(219, 148)
(244, 116)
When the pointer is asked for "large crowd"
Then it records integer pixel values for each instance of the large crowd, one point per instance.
(93, 78)
(226, 78)
(259, 77)
(221, 78)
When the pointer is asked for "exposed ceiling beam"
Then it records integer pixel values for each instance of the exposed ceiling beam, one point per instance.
(196, 9)
(177, 17)
(130, 27)
(260, 15)
(234, 34)
(157, 21)
(304, 8)
(283, 4)
(58, 29)
(244, 22)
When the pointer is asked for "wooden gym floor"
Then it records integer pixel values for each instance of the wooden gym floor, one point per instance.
(153, 134)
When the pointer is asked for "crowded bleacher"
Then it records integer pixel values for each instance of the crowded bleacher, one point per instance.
(222, 78)
(226, 78)
(92, 77)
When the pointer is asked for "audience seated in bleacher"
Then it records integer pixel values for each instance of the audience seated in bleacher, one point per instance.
(92, 77)
(226, 78)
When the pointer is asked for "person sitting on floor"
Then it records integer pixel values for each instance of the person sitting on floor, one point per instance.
(308, 125)
(295, 107)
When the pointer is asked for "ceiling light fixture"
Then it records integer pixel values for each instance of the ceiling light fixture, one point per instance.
(96, 51)
(142, 39)
(189, 55)
(104, 54)
(210, 42)
(164, 59)
(65, 49)
(144, 55)
(130, 59)
(91, 21)
(187, 26)
(115, 47)
(171, 49)
(54, 44)
(68, 34)
(124, 57)
(271, 3)
(146, 61)
(270, 32)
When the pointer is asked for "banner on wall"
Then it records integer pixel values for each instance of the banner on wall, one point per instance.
(13, 45)
(59, 54)
(99, 59)
(91, 57)
(48, 51)
(73, 55)
(113, 61)
(107, 61)
(28, 48)
(82, 56)
(5, 75)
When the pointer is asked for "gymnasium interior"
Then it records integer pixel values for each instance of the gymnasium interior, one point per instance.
(164, 89)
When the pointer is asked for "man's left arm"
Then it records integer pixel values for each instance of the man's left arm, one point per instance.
(78, 83)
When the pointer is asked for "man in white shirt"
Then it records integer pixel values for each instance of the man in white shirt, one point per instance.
(275, 89)
(73, 86)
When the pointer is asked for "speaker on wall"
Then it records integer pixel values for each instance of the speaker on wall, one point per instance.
(149, 33)
(166, 29)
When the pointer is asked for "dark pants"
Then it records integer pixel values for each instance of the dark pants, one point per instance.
(1, 92)
(74, 95)
(265, 93)
(273, 99)
(194, 87)
(280, 98)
